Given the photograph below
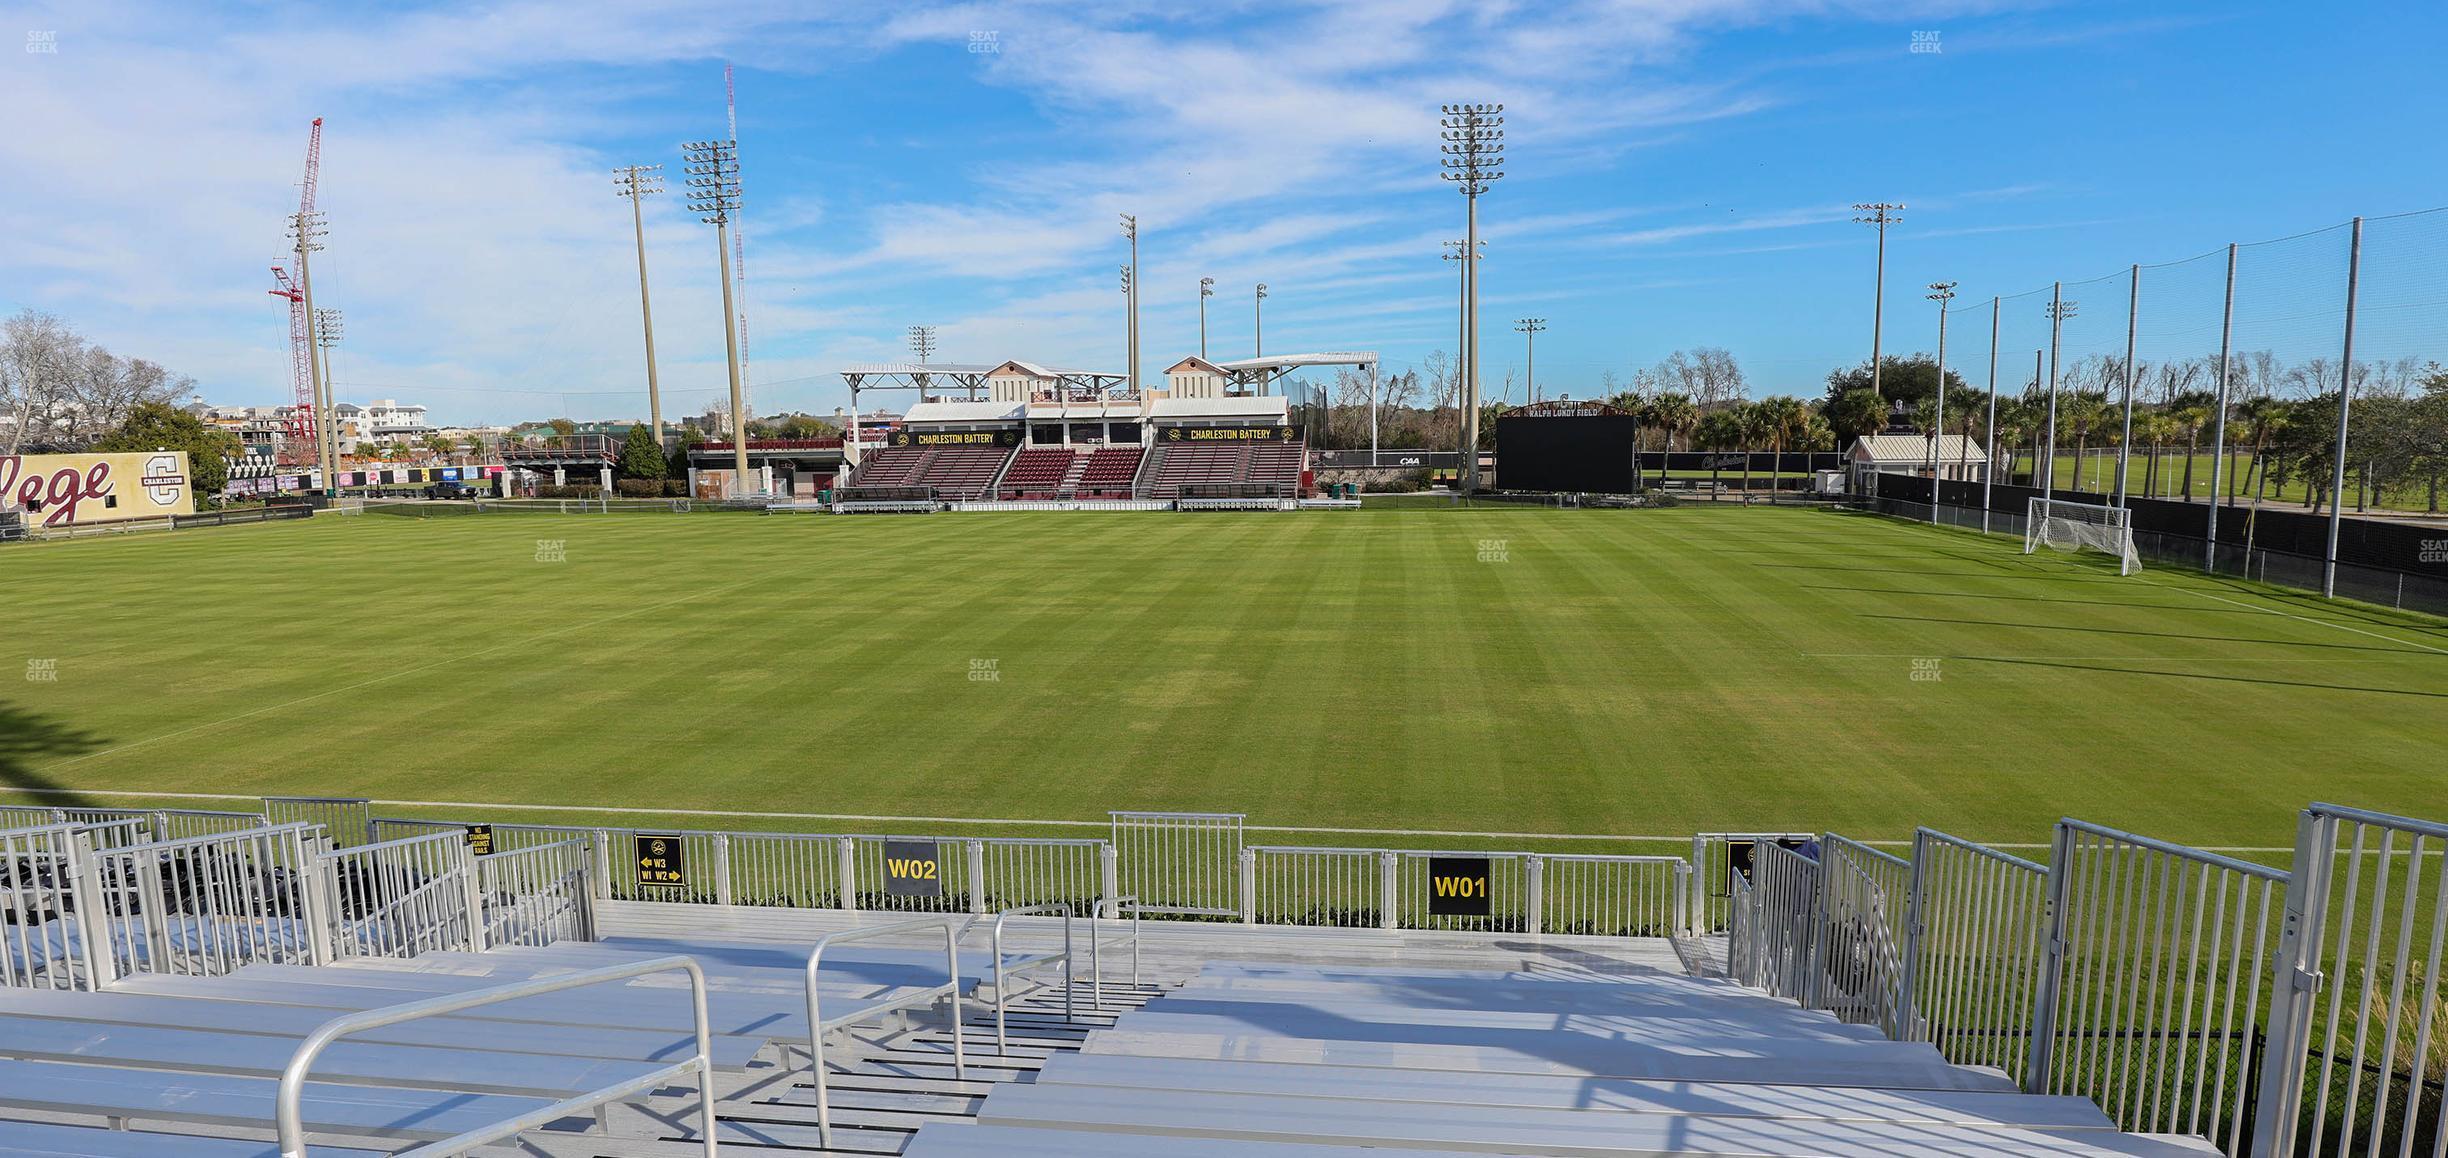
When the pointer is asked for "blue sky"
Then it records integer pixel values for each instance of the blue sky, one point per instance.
(1678, 175)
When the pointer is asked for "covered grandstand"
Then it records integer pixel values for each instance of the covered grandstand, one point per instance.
(1057, 437)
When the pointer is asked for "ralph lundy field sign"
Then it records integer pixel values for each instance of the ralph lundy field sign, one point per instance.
(662, 862)
(913, 868)
(1458, 886)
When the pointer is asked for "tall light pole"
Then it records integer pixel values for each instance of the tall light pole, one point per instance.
(714, 195)
(1881, 214)
(2133, 323)
(1989, 460)
(1258, 322)
(922, 342)
(306, 232)
(1473, 159)
(1941, 292)
(1206, 291)
(1529, 329)
(328, 329)
(2059, 310)
(638, 182)
(1454, 251)
(1130, 323)
(1130, 289)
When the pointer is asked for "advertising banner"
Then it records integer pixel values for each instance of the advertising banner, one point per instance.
(64, 490)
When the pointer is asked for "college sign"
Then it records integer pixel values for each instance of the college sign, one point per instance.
(63, 490)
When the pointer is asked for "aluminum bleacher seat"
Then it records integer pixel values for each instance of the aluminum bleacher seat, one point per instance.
(335, 1108)
(47, 1140)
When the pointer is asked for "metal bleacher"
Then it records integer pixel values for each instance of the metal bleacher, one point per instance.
(1332, 1043)
(988, 1019)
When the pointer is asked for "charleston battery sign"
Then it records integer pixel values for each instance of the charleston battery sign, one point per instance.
(63, 490)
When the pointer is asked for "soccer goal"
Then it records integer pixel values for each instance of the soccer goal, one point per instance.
(2066, 526)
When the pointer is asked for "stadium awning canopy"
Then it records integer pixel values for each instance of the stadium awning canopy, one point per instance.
(968, 377)
(1259, 373)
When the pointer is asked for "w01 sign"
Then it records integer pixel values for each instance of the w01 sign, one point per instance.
(913, 868)
(1458, 886)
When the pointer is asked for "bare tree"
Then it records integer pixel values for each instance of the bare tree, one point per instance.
(59, 390)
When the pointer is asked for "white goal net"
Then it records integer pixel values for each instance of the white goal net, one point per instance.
(2064, 526)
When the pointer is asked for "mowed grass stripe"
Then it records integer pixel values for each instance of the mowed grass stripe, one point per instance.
(1623, 672)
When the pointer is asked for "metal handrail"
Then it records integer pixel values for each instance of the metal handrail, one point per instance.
(290, 1118)
(2188, 852)
(1096, 967)
(952, 928)
(1002, 1039)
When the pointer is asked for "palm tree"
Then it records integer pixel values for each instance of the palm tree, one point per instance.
(1719, 430)
(2082, 410)
(1782, 420)
(1675, 414)
(2264, 417)
(1753, 420)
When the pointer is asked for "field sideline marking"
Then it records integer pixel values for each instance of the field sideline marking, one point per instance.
(2305, 618)
(609, 809)
(382, 679)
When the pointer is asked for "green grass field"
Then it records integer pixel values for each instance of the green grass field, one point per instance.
(1508, 670)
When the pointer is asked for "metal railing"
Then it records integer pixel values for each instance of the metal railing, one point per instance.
(1714, 861)
(206, 905)
(1113, 910)
(1001, 983)
(538, 895)
(289, 1114)
(2150, 1000)
(1184, 863)
(1611, 896)
(403, 897)
(1979, 923)
(1342, 888)
(2358, 1034)
(1784, 901)
(1858, 955)
(952, 929)
(346, 820)
(50, 940)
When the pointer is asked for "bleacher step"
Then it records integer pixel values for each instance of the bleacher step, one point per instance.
(1591, 1095)
(47, 1140)
(1507, 1130)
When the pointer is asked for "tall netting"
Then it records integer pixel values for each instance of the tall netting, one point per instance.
(2063, 526)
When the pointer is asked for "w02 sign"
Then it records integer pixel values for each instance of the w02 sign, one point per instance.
(1458, 886)
(913, 868)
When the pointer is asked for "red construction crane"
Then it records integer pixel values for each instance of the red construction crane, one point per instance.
(304, 447)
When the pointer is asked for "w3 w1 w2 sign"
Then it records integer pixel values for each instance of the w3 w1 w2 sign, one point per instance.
(1458, 886)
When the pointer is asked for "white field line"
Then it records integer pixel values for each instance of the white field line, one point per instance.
(477, 805)
(2100, 658)
(2307, 619)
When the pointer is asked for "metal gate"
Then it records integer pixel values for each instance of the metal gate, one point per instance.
(1181, 863)
(347, 820)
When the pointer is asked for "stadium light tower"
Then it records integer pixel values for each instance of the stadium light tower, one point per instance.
(714, 195)
(922, 342)
(328, 333)
(306, 231)
(1206, 291)
(1473, 159)
(1130, 290)
(1529, 328)
(1258, 320)
(638, 182)
(2059, 310)
(1881, 214)
(1941, 292)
